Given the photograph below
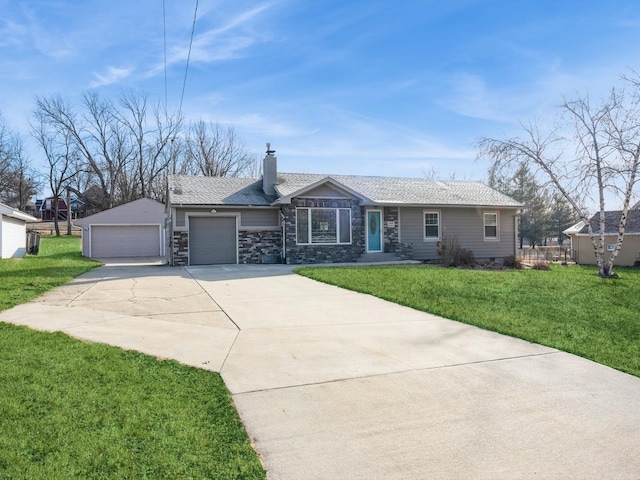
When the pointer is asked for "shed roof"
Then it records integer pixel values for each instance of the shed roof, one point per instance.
(8, 211)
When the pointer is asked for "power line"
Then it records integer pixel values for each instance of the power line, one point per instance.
(186, 70)
(164, 34)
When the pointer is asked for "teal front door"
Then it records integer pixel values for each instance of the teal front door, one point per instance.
(374, 237)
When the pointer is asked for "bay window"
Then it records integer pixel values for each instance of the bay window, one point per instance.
(323, 225)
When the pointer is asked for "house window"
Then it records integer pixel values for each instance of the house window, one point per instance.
(323, 225)
(431, 225)
(491, 226)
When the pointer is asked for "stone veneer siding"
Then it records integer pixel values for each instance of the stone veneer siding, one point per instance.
(180, 246)
(252, 245)
(299, 254)
(405, 251)
(391, 234)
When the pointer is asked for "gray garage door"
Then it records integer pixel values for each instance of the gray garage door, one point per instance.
(125, 241)
(212, 240)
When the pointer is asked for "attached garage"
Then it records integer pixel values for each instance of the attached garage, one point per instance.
(135, 229)
(213, 240)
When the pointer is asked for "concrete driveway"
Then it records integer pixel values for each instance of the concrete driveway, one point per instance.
(333, 384)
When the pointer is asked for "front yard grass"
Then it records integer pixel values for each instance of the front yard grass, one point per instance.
(75, 410)
(568, 308)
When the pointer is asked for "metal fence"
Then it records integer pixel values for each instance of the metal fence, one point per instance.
(545, 254)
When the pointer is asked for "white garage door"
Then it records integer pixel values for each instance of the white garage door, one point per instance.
(125, 241)
(212, 240)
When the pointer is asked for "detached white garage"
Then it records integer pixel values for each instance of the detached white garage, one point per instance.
(13, 232)
(135, 229)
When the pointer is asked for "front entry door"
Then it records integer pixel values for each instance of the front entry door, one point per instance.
(374, 231)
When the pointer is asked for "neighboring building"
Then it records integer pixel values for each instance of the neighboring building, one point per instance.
(47, 209)
(13, 232)
(582, 248)
(135, 229)
(302, 218)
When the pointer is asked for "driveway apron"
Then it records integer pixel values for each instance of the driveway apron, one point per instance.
(333, 384)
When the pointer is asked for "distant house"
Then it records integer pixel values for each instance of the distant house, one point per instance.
(135, 229)
(47, 209)
(582, 248)
(303, 218)
(13, 232)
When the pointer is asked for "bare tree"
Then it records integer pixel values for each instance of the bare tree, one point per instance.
(213, 151)
(153, 142)
(18, 181)
(60, 151)
(604, 163)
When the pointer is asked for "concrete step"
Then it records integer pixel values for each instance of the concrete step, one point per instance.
(378, 257)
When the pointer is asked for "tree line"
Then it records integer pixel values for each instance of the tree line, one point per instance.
(108, 153)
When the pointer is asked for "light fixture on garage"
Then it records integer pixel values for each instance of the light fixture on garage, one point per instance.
(214, 211)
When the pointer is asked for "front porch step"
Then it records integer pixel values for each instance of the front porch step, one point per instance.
(378, 257)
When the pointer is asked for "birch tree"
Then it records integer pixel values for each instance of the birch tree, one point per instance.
(596, 162)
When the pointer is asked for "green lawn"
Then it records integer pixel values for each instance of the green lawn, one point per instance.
(75, 410)
(59, 260)
(569, 308)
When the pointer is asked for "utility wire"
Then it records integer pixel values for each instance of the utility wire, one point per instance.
(186, 70)
(164, 34)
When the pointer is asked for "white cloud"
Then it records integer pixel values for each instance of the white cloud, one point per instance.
(224, 42)
(111, 76)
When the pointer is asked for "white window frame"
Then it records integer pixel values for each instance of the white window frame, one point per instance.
(310, 224)
(484, 227)
(424, 226)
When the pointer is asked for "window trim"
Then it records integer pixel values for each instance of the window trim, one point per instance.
(484, 226)
(424, 226)
(338, 232)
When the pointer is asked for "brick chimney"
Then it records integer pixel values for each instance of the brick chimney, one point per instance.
(269, 171)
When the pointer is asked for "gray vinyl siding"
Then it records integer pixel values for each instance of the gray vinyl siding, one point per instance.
(249, 217)
(259, 218)
(181, 218)
(464, 223)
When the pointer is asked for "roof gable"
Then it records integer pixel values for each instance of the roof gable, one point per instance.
(143, 210)
(326, 181)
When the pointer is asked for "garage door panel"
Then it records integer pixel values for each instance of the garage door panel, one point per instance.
(212, 240)
(125, 241)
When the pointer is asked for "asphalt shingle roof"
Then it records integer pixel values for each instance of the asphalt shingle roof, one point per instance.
(398, 190)
(612, 220)
(190, 190)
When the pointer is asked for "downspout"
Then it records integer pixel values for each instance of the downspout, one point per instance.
(515, 237)
(284, 237)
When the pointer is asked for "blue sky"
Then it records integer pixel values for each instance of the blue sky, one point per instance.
(387, 87)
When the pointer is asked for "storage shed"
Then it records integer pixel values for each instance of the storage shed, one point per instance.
(13, 232)
(135, 229)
